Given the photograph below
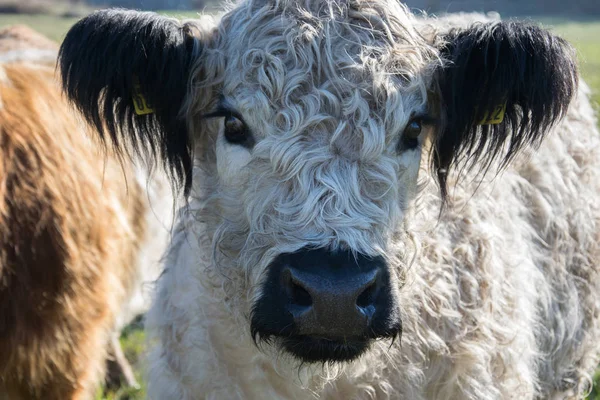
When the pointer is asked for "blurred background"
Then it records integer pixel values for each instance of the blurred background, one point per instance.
(557, 8)
(574, 8)
(576, 20)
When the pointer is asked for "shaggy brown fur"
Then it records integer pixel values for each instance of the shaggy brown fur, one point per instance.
(69, 228)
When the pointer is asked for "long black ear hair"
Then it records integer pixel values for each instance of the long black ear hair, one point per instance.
(489, 66)
(112, 56)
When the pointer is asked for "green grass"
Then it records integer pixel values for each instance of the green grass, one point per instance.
(585, 36)
(132, 343)
(595, 394)
(52, 26)
(56, 27)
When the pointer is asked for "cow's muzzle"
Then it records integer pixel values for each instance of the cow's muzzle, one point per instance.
(326, 306)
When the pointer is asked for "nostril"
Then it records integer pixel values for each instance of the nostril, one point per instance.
(300, 296)
(296, 292)
(367, 297)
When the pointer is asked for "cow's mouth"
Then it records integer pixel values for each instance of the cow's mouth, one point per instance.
(312, 349)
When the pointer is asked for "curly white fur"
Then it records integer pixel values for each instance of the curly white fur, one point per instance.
(500, 295)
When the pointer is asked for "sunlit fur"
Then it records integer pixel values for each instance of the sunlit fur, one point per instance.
(499, 292)
(21, 43)
(73, 223)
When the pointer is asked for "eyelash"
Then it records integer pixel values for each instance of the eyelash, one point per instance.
(426, 119)
(222, 112)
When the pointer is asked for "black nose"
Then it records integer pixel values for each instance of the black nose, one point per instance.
(332, 294)
(326, 305)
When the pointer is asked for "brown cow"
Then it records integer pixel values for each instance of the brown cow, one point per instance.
(72, 224)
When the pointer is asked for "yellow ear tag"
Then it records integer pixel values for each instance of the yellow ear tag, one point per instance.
(495, 117)
(140, 104)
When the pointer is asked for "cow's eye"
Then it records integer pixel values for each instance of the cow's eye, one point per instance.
(410, 137)
(236, 131)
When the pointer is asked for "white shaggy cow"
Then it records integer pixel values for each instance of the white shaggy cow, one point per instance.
(347, 235)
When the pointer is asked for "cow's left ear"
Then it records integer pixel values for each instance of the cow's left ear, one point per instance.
(502, 86)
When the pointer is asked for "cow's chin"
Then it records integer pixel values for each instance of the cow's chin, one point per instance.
(312, 349)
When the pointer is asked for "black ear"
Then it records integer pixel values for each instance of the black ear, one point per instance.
(489, 65)
(102, 59)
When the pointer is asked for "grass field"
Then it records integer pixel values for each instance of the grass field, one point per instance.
(584, 35)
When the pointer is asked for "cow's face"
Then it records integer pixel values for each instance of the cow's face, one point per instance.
(316, 133)
(307, 122)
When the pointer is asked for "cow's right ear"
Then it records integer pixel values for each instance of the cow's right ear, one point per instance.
(128, 74)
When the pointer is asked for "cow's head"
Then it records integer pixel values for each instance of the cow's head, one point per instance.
(298, 127)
